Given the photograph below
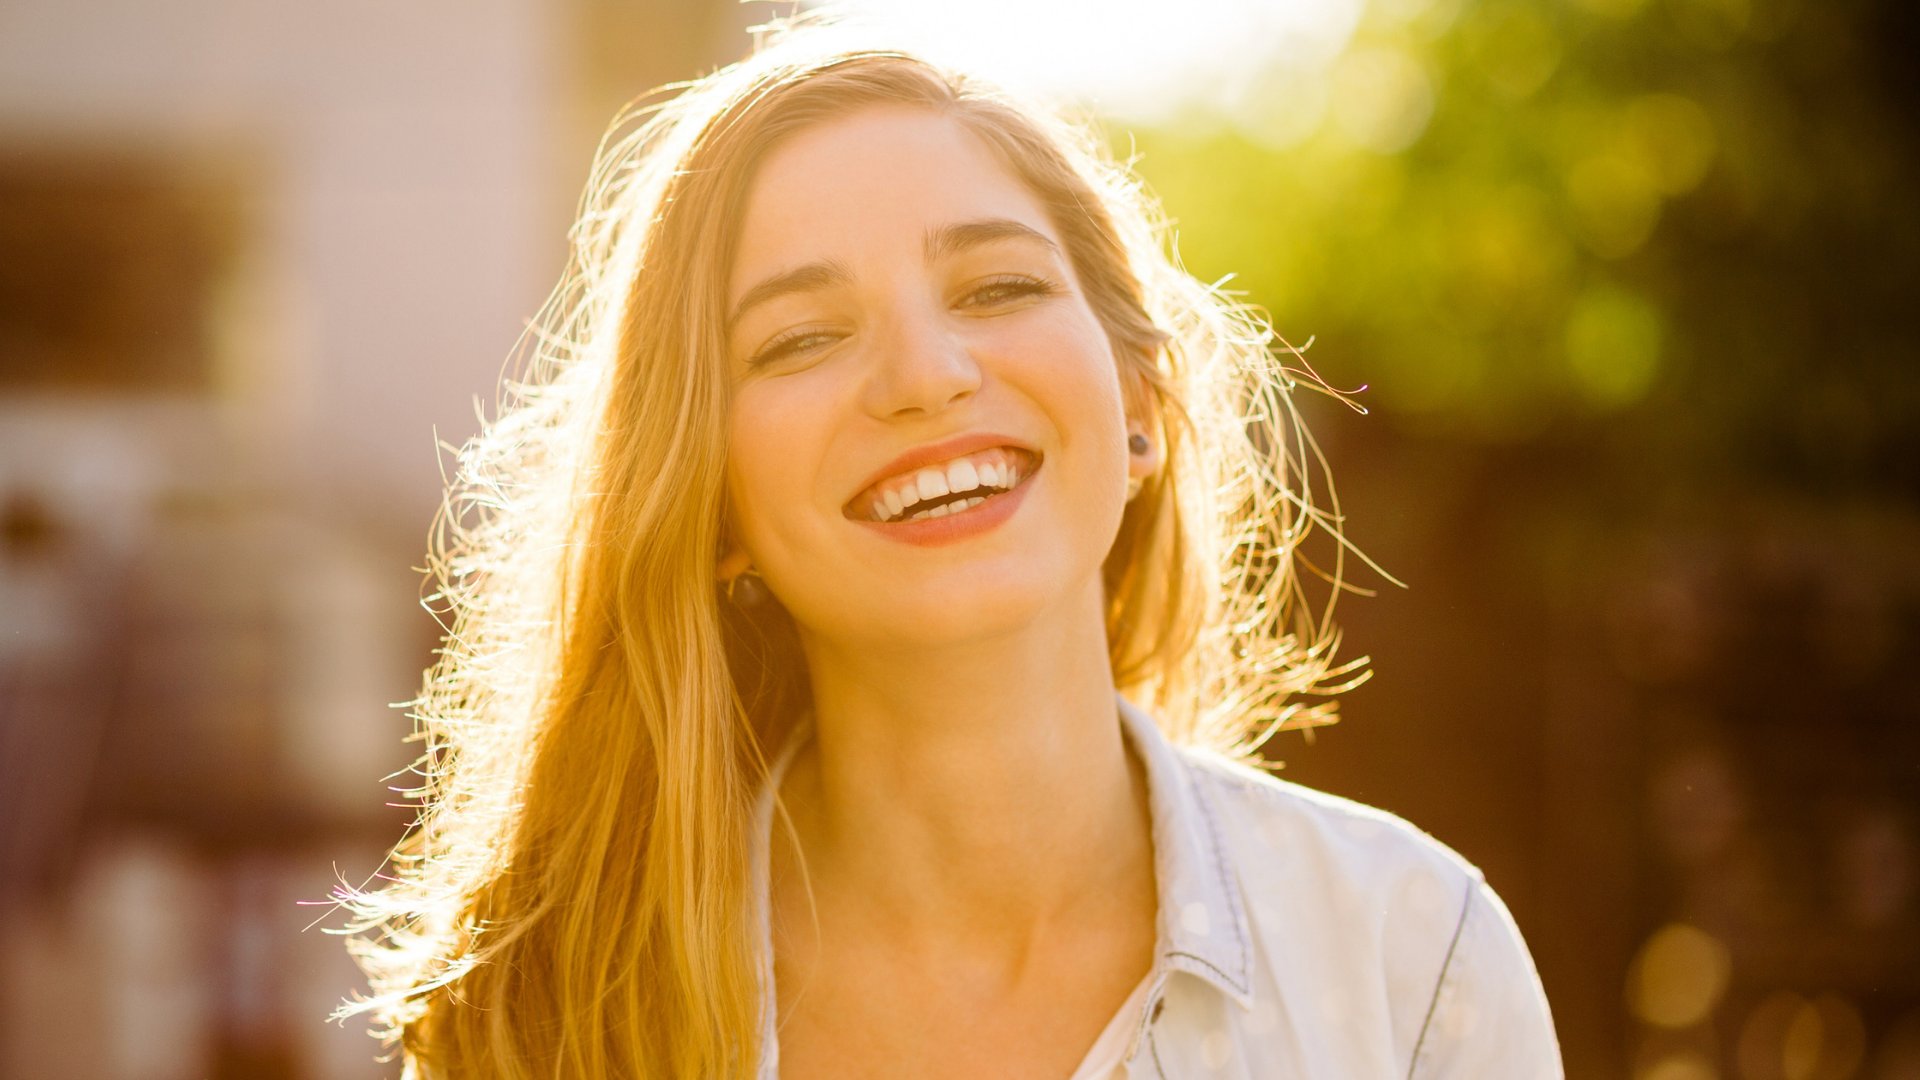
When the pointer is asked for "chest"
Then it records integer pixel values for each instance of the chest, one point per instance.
(851, 1003)
(870, 1024)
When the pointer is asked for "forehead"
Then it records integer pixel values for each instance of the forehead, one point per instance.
(870, 182)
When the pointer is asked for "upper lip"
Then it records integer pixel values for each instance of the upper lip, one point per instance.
(935, 453)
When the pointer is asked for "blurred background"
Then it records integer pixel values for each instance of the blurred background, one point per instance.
(1630, 284)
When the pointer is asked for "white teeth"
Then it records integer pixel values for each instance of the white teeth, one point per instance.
(943, 509)
(989, 474)
(961, 476)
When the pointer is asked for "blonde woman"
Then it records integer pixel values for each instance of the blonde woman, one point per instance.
(862, 618)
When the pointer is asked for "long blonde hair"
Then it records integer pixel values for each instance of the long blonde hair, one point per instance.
(574, 898)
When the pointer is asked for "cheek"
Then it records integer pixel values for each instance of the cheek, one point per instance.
(1071, 370)
(770, 463)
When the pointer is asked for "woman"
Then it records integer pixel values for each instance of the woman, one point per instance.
(865, 602)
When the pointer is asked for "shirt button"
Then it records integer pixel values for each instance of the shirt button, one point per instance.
(1159, 1007)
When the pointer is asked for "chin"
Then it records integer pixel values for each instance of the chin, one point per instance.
(960, 619)
(947, 610)
(956, 611)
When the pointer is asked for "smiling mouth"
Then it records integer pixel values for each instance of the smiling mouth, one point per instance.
(951, 487)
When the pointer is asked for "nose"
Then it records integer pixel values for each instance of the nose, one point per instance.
(921, 365)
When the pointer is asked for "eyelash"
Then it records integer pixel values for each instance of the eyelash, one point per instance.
(782, 345)
(1018, 286)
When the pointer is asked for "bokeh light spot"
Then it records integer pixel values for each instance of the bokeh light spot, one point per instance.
(1678, 977)
(1615, 203)
(1382, 99)
(1280, 107)
(1511, 245)
(1843, 1044)
(1789, 1037)
(1673, 139)
(1613, 345)
(1780, 1039)
(1515, 49)
(1800, 1049)
(1682, 1066)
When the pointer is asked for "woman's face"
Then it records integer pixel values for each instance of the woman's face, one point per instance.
(906, 326)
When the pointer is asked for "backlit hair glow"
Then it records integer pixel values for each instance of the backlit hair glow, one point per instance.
(574, 899)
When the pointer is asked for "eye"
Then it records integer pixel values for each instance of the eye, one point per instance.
(1006, 289)
(788, 344)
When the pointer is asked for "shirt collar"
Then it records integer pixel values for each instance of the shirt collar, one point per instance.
(1202, 926)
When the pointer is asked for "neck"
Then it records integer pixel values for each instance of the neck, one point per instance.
(975, 799)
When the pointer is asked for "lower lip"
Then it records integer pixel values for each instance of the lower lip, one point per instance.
(931, 532)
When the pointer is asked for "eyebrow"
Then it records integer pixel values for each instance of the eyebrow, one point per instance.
(809, 278)
(952, 239)
(941, 242)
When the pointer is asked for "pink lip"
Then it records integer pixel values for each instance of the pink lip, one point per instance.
(935, 453)
(931, 532)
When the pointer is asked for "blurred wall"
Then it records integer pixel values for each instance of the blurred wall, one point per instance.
(261, 265)
(294, 243)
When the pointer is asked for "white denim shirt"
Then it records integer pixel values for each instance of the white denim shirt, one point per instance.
(1300, 935)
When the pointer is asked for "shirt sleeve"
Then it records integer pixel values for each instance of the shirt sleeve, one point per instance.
(1489, 1018)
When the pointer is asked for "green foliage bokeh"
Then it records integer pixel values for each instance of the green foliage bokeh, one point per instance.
(1512, 218)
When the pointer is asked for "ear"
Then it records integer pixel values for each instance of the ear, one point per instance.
(1141, 465)
(734, 563)
(1139, 400)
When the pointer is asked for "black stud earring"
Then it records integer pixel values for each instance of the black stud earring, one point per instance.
(746, 589)
(1137, 443)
